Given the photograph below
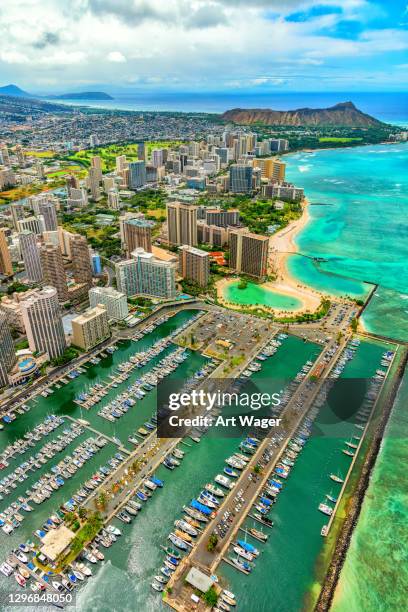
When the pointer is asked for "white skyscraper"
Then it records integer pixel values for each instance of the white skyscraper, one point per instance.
(43, 322)
(30, 253)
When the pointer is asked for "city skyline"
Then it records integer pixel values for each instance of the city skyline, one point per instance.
(356, 45)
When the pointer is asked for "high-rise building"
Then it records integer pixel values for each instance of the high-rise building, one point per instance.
(52, 237)
(72, 182)
(6, 267)
(96, 264)
(93, 140)
(284, 191)
(10, 305)
(96, 163)
(113, 199)
(278, 144)
(79, 197)
(145, 274)
(40, 170)
(182, 224)
(136, 233)
(7, 177)
(81, 260)
(65, 238)
(7, 351)
(152, 173)
(90, 328)
(271, 168)
(48, 210)
(17, 213)
(108, 183)
(222, 218)
(121, 163)
(20, 156)
(137, 174)
(157, 158)
(30, 253)
(194, 265)
(212, 234)
(223, 153)
(5, 154)
(34, 224)
(43, 322)
(141, 151)
(240, 178)
(93, 183)
(114, 301)
(249, 253)
(53, 270)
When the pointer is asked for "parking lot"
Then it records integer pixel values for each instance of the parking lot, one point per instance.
(225, 333)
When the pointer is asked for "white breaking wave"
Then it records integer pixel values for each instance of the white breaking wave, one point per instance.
(304, 168)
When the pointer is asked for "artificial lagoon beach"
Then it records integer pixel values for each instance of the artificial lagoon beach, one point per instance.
(203, 306)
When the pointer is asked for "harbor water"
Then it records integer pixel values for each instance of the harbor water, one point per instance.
(122, 581)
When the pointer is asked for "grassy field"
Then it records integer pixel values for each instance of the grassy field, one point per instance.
(108, 154)
(42, 154)
(71, 169)
(340, 140)
(18, 193)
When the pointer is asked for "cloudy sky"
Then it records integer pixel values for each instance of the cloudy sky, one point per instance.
(204, 45)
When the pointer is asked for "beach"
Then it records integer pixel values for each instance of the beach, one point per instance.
(281, 245)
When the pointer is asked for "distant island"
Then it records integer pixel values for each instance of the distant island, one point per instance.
(84, 95)
(17, 92)
(342, 114)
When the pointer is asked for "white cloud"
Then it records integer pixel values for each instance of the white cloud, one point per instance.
(116, 56)
(189, 44)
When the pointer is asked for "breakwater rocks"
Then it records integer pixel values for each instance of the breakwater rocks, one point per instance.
(333, 573)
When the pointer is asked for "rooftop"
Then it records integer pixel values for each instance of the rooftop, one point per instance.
(199, 580)
(56, 541)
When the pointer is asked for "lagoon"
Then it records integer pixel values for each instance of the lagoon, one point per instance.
(255, 294)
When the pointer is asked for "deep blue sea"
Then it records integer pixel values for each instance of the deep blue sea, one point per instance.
(391, 107)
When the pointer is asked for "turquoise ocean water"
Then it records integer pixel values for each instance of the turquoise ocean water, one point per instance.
(359, 212)
(255, 294)
(375, 574)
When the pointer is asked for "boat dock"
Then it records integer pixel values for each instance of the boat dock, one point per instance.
(98, 433)
(357, 452)
(240, 569)
(251, 486)
(34, 575)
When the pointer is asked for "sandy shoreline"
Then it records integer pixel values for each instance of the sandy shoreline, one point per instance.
(281, 245)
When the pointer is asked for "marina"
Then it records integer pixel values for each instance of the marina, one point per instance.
(180, 481)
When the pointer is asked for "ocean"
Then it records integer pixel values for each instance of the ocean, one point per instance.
(359, 208)
(392, 107)
(375, 573)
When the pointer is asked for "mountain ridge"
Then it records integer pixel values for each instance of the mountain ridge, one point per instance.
(341, 114)
(14, 90)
